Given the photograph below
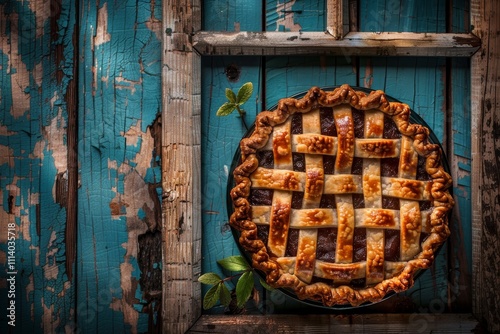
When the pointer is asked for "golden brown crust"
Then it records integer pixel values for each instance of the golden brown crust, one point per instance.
(399, 275)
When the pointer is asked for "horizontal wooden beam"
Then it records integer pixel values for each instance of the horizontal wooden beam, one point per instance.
(208, 43)
(345, 323)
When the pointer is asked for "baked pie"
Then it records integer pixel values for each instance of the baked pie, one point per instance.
(338, 197)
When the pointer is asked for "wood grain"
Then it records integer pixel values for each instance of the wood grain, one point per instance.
(486, 163)
(335, 10)
(321, 43)
(180, 167)
(368, 323)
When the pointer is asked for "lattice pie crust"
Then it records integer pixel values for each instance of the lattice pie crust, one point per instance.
(316, 201)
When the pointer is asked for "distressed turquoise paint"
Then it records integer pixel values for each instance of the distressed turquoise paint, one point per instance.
(121, 93)
(41, 280)
(295, 15)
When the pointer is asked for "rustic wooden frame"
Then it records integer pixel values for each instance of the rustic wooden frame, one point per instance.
(184, 44)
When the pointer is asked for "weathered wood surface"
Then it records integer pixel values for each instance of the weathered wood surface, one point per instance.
(180, 167)
(118, 202)
(335, 18)
(486, 163)
(37, 48)
(345, 323)
(210, 43)
(80, 164)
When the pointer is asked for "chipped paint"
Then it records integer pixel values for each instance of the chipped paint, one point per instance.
(19, 76)
(153, 23)
(125, 303)
(286, 17)
(4, 130)
(54, 135)
(51, 268)
(123, 83)
(43, 12)
(132, 134)
(102, 36)
(6, 156)
(50, 319)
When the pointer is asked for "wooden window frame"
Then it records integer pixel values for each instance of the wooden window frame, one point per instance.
(183, 46)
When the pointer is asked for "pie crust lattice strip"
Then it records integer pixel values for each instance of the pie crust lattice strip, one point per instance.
(340, 198)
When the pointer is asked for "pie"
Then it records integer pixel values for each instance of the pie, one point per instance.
(339, 197)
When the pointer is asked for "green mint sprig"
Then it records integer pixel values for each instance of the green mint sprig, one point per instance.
(235, 101)
(220, 291)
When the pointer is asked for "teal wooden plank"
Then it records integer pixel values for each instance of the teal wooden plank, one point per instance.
(461, 224)
(295, 15)
(221, 135)
(35, 70)
(120, 99)
(220, 140)
(460, 16)
(236, 15)
(402, 16)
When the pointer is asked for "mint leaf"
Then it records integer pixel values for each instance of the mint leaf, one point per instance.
(234, 263)
(226, 109)
(225, 295)
(244, 93)
(211, 297)
(231, 97)
(209, 278)
(244, 288)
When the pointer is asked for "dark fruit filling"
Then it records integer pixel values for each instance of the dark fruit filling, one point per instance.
(327, 237)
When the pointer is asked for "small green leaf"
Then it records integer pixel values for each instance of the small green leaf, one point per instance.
(211, 297)
(226, 109)
(209, 278)
(244, 93)
(231, 97)
(244, 288)
(234, 263)
(225, 295)
(265, 285)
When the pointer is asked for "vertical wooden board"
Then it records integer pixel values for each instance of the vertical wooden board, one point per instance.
(402, 16)
(220, 141)
(295, 15)
(236, 15)
(460, 244)
(220, 135)
(35, 71)
(485, 153)
(118, 199)
(460, 158)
